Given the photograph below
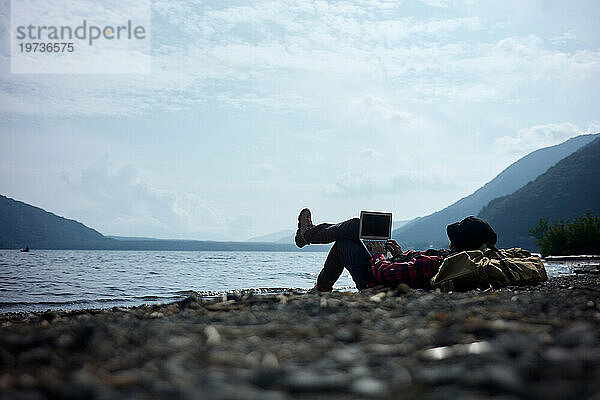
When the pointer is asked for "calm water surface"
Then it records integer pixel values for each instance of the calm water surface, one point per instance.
(61, 279)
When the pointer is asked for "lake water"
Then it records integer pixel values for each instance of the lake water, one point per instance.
(62, 279)
(59, 279)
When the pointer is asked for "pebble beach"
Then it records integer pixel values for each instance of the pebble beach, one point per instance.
(537, 342)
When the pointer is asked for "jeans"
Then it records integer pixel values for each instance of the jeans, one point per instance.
(347, 252)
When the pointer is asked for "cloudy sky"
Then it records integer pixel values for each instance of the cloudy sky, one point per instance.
(255, 109)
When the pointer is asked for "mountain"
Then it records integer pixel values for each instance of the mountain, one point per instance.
(287, 239)
(565, 191)
(132, 238)
(400, 224)
(431, 229)
(275, 236)
(207, 237)
(23, 225)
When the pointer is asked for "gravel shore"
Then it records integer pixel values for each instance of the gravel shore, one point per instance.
(516, 343)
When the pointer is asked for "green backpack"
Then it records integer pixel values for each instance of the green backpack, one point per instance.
(487, 267)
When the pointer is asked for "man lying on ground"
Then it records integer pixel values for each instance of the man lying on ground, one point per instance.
(414, 268)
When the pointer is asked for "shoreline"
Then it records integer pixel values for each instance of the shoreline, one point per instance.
(205, 295)
(132, 296)
(531, 342)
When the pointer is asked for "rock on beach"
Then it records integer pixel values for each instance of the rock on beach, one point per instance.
(515, 343)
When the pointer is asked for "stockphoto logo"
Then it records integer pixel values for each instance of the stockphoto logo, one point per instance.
(83, 36)
(85, 31)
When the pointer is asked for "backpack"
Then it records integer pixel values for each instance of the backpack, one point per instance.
(487, 267)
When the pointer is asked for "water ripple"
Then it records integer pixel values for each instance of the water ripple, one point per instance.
(60, 279)
(54, 279)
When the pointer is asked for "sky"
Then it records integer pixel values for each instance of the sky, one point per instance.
(255, 109)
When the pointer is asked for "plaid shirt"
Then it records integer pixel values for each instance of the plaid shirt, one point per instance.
(415, 269)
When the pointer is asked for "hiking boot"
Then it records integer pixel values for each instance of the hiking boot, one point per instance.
(304, 224)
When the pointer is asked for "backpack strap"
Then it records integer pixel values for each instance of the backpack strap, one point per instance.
(503, 265)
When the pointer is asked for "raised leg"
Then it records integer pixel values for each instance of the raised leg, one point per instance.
(329, 233)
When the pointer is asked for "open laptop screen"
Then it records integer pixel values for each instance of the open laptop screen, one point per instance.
(375, 225)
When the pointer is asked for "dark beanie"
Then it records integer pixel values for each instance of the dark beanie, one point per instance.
(471, 233)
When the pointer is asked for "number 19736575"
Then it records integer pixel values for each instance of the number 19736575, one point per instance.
(41, 47)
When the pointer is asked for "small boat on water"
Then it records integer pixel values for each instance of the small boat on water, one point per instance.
(25, 250)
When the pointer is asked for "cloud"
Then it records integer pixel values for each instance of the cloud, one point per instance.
(437, 3)
(372, 109)
(535, 137)
(355, 184)
(264, 170)
(228, 55)
(287, 37)
(563, 38)
(368, 155)
(593, 127)
(117, 201)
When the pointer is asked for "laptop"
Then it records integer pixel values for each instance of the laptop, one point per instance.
(374, 226)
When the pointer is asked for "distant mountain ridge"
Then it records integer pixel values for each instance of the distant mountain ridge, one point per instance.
(567, 190)
(274, 237)
(431, 229)
(22, 225)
